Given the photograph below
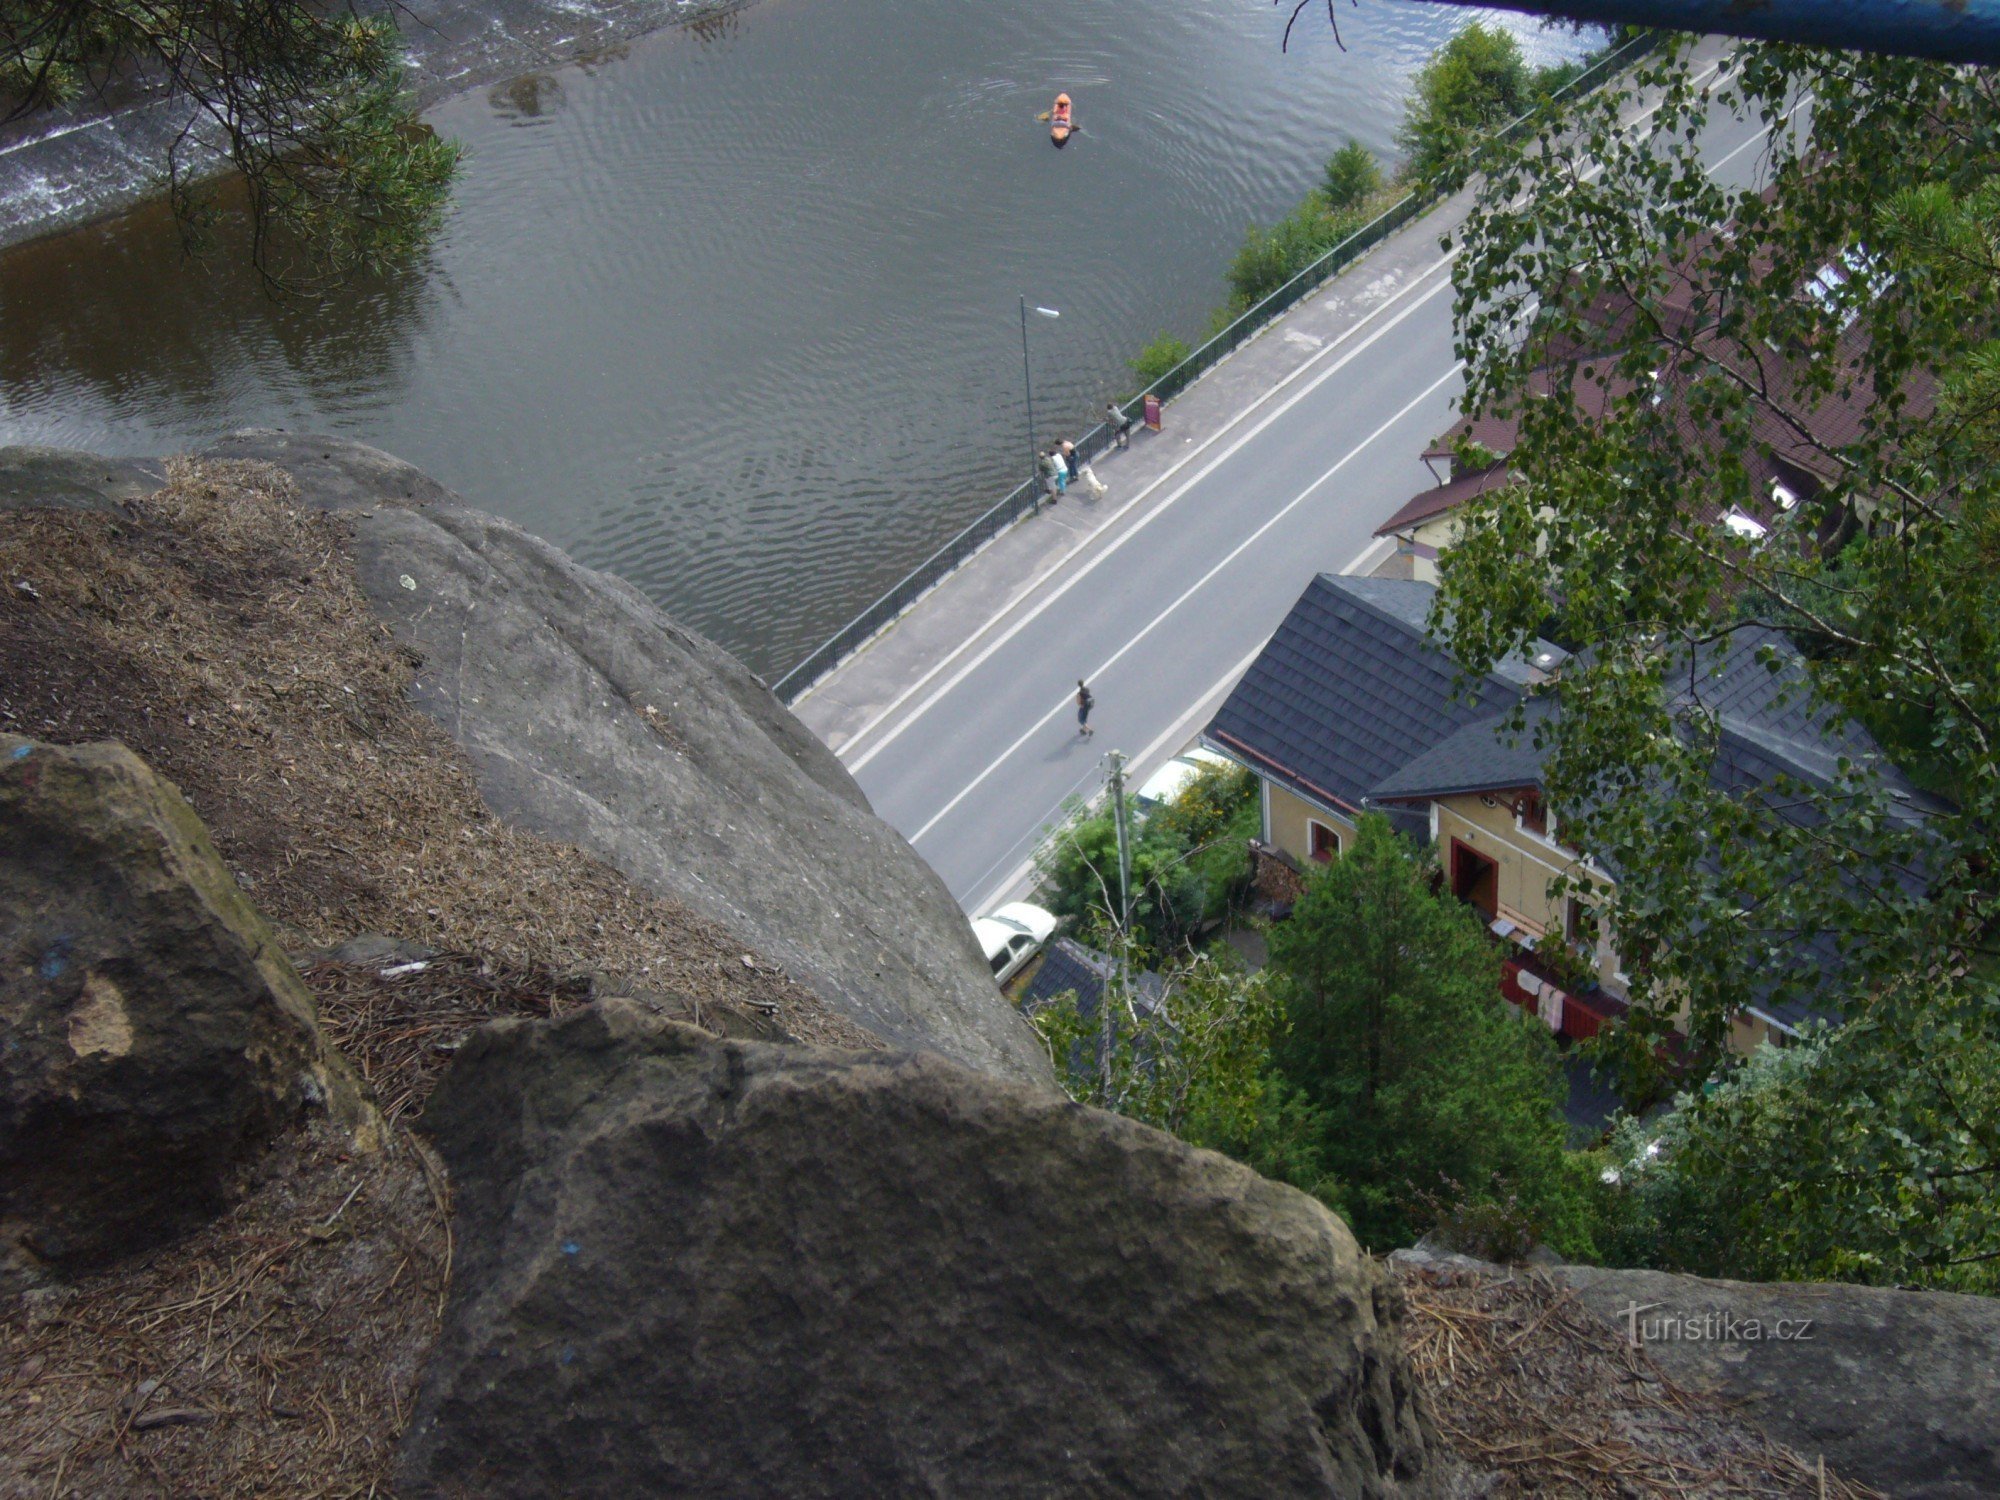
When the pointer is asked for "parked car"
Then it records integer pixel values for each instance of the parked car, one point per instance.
(1011, 936)
(1167, 783)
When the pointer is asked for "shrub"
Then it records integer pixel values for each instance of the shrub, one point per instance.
(1353, 177)
(1158, 357)
(1475, 81)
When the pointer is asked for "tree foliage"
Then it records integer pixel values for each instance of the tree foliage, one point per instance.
(1430, 1085)
(1865, 1153)
(1189, 861)
(305, 101)
(1353, 178)
(1194, 1061)
(1858, 277)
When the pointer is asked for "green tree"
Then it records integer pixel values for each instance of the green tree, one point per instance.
(1866, 1153)
(1157, 358)
(1194, 1060)
(1860, 275)
(1189, 862)
(1353, 177)
(306, 102)
(1429, 1084)
(1474, 82)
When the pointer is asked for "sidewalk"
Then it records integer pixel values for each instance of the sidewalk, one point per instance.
(1001, 580)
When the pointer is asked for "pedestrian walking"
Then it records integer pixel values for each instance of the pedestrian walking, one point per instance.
(1085, 702)
(1053, 475)
(1119, 423)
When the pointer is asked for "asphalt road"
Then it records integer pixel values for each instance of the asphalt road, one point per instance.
(1162, 614)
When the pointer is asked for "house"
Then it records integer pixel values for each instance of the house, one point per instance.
(1796, 433)
(1352, 708)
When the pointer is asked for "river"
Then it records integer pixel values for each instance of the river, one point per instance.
(732, 312)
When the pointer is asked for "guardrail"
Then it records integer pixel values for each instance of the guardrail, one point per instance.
(1026, 498)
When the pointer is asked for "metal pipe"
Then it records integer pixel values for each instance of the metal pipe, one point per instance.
(1961, 31)
(1028, 388)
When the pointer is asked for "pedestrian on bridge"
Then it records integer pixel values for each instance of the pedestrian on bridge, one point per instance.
(1119, 423)
(1084, 703)
(1055, 474)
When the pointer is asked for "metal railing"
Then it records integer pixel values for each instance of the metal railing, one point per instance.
(1026, 498)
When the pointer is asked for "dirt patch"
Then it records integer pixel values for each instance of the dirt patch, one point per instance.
(1534, 1390)
(276, 1352)
(216, 628)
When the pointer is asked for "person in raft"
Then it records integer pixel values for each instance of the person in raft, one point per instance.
(1059, 123)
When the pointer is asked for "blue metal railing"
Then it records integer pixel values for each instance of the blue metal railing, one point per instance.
(1026, 498)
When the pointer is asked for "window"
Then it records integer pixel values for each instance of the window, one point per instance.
(1323, 842)
(1529, 814)
(1738, 524)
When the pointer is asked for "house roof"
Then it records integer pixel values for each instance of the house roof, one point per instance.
(1069, 967)
(1486, 755)
(1444, 497)
(1349, 690)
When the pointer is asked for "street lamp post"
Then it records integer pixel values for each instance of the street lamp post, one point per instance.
(1028, 389)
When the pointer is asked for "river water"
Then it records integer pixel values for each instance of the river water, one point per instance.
(732, 312)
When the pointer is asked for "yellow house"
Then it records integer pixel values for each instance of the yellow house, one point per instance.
(1350, 708)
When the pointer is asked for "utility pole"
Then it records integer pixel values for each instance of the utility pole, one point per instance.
(1114, 994)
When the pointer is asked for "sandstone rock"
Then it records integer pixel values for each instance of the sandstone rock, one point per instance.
(700, 1267)
(152, 1034)
(1900, 1390)
(592, 718)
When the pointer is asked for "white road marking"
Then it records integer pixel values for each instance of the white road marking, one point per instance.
(1191, 590)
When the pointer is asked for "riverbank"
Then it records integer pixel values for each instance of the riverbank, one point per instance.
(65, 167)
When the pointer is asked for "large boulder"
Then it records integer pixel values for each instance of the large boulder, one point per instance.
(1900, 1390)
(591, 718)
(699, 1267)
(152, 1034)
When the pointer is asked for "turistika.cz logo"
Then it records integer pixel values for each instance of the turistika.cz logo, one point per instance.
(1648, 1325)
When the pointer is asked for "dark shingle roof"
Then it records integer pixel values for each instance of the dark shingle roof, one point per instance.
(1349, 691)
(1483, 756)
(1068, 966)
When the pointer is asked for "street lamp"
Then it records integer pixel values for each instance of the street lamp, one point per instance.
(1028, 389)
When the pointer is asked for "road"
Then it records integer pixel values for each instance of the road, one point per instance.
(1162, 613)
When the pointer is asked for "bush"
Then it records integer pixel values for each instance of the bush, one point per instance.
(1475, 81)
(1352, 178)
(1190, 863)
(1158, 357)
(1271, 257)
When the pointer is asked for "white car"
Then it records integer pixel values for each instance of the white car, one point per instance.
(1167, 783)
(1011, 936)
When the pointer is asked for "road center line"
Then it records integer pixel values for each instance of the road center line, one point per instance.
(1192, 589)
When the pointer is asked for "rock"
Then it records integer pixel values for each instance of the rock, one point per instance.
(593, 719)
(152, 1034)
(1900, 1390)
(699, 1267)
(373, 950)
(62, 479)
